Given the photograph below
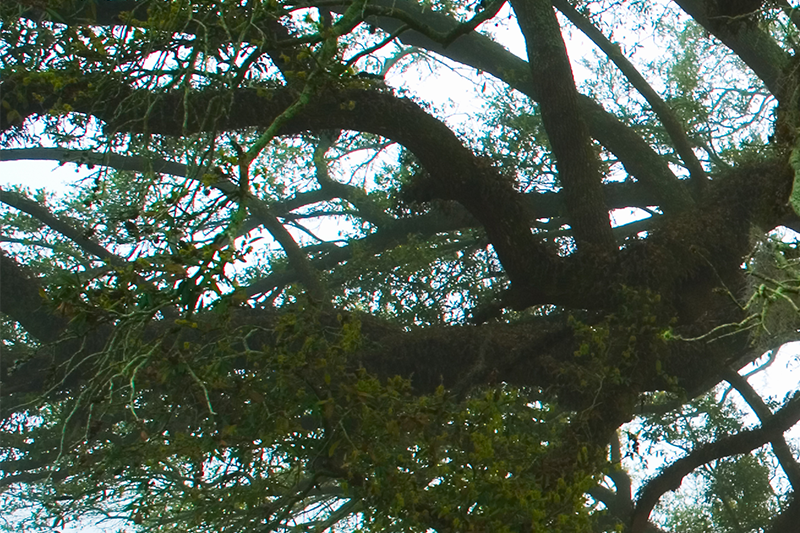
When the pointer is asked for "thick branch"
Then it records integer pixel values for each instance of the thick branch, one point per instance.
(526, 354)
(472, 49)
(787, 521)
(621, 479)
(456, 173)
(577, 164)
(21, 299)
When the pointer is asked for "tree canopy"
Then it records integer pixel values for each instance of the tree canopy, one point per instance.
(295, 293)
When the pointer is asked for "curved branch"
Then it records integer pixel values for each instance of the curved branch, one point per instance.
(472, 49)
(621, 479)
(367, 208)
(779, 446)
(455, 172)
(162, 166)
(671, 477)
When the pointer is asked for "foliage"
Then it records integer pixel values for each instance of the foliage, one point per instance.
(290, 446)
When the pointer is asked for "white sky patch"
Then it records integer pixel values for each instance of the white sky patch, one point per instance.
(48, 175)
(620, 217)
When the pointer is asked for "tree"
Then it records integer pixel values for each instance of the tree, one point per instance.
(184, 350)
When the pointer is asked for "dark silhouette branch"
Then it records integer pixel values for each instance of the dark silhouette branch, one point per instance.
(455, 173)
(670, 477)
(77, 235)
(471, 49)
(787, 521)
(480, 52)
(779, 446)
(22, 299)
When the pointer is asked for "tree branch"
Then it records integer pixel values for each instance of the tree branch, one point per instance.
(675, 129)
(368, 209)
(472, 49)
(621, 479)
(618, 195)
(21, 298)
(264, 215)
(92, 158)
(388, 236)
(787, 521)
(455, 172)
(671, 477)
(792, 12)
(779, 446)
(42, 214)
(480, 52)
(261, 212)
(578, 168)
